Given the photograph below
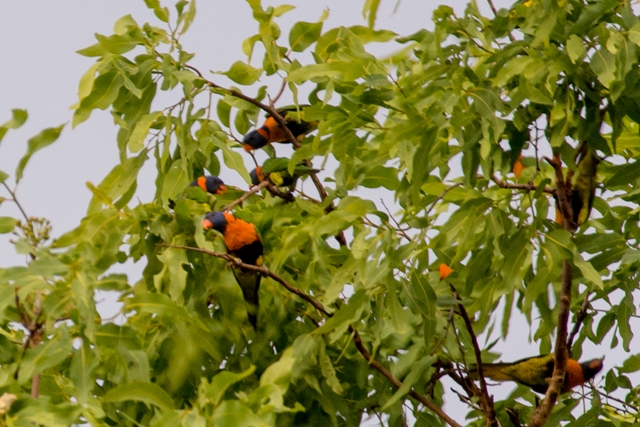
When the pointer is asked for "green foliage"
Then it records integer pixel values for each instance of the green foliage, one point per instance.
(435, 127)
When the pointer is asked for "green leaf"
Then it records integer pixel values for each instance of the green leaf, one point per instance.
(576, 50)
(370, 11)
(309, 72)
(162, 13)
(103, 93)
(243, 74)
(304, 34)
(136, 140)
(234, 413)
(46, 355)
(82, 365)
(381, 176)
(346, 314)
(118, 182)
(118, 44)
(417, 372)
(423, 300)
(221, 383)
(625, 311)
(43, 139)
(7, 224)
(18, 118)
(603, 63)
(140, 391)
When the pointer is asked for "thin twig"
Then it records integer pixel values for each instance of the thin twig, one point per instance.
(526, 187)
(495, 13)
(400, 230)
(440, 197)
(580, 316)
(15, 200)
(485, 400)
(245, 196)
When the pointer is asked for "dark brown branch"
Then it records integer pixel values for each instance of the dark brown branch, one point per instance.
(486, 401)
(260, 269)
(580, 316)
(526, 187)
(284, 195)
(440, 197)
(14, 199)
(372, 362)
(245, 196)
(318, 306)
(562, 193)
(495, 13)
(542, 412)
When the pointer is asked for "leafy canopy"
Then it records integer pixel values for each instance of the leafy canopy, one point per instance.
(436, 127)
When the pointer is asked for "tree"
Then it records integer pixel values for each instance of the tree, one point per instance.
(362, 310)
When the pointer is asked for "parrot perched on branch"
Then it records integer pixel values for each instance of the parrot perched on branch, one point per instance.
(271, 131)
(535, 372)
(242, 241)
(276, 172)
(582, 191)
(209, 183)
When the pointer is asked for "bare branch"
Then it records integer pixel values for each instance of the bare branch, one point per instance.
(245, 196)
(542, 412)
(15, 200)
(440, 197)
(526, 187)
(580, 316)
(485, 400)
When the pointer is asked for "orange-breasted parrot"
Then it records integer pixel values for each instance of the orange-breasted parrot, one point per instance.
(242, 241)
(209, 183)
(536, 372)
(584, 185)
(271, 131)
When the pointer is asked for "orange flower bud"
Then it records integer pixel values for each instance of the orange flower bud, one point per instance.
(445, 270)
(518, 167)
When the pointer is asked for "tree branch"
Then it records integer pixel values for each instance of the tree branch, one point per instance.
(562, 193)
(15, 200)
(526, 187)
(245, 196)
(542, 412)
(580, 316)
(318, 306)
(485, 400)
(372, 362)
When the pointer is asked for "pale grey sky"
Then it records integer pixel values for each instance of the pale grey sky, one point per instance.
(41, 70)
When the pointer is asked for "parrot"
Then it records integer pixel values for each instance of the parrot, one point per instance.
(242, 241)
(272, 132)
(583, 185)
(209, 183)
(276, 171)
(535, 372)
